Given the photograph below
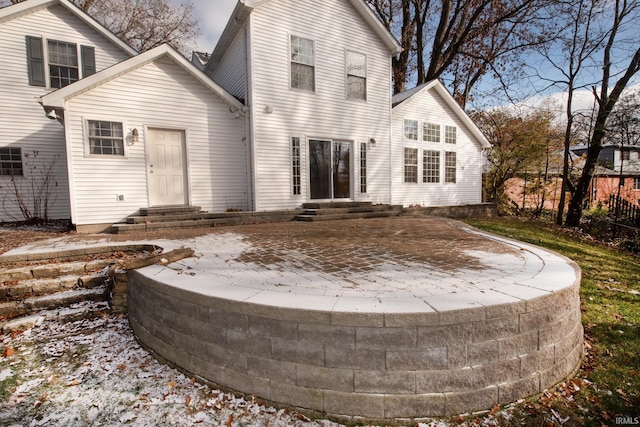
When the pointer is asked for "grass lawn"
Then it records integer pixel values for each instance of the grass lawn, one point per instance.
(608, 384)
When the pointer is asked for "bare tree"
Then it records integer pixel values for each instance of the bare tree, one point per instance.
(144, 24)
(622, 41)
(461, 39)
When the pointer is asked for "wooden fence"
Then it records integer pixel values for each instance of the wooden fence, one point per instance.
(624, 211)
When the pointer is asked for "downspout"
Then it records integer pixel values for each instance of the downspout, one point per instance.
(250, 127)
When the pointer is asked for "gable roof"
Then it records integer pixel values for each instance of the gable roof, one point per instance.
(244, 8)
(57, 98)
(30, 6)
(399, 99)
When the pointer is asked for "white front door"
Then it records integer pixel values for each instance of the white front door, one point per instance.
(167, 167)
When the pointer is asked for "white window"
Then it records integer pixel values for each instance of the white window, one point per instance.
(63, 63)
(11, 161)
(363, 167)
(411, 165)
(450, 167)
(431, 132)
(626, 155)
(295, 165)
(356, 76)
(302, 64)
(431, 166)
(450, 134)
(411, 129)
(636, 183)
(105, 138)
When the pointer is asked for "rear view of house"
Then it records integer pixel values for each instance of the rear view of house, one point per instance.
(293, 105)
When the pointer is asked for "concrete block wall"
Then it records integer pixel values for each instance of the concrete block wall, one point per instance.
(426, 365)
(378, 366)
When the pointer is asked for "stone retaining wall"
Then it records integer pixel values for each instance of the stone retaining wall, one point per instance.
(373, 366)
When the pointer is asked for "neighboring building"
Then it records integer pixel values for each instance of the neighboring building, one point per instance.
(615, 161)
(437, 150)
(291, 113)
(45, 45)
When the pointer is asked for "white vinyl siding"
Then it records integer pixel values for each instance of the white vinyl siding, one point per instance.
(216, 152)
(428, 107)
(321, 115)
(23, 120)
(231, 73)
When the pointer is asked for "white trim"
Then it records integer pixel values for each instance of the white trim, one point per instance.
(85, 137)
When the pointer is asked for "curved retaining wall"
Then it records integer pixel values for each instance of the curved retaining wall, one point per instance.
(378, 366)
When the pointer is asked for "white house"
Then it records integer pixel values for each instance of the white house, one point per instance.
(293, 105)
(316, 76)
(437, 150)
(45, 45)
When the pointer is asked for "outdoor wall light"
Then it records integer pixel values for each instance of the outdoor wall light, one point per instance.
(268, 109)
(134, 134)
(52, 115)
(235, 111)
(372, 141)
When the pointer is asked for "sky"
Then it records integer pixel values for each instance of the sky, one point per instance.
(212, 16)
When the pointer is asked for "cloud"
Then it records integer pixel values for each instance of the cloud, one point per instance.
(212, 16)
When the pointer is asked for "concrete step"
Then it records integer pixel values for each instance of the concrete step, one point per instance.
(71, 313)
(38, 287)
(172, 217)
(12, 309)
(352, 209)
(354, 215)
(333, 205)
(168, 210)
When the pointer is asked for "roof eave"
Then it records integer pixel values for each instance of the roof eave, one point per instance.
(231, 30)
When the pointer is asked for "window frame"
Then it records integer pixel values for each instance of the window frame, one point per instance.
(636, 183)
(363, 168)
(296, 166)
(88, 137)
(427, 130)
(410, 170)
(39, 62)
(364, 77)
(11, 161)
(448, 167)
(404, 130)
(431, 170)
(72, 47)
(312, 66)
(448, 130)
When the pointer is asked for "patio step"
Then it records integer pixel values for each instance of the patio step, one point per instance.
(346, 210)
(154, 219)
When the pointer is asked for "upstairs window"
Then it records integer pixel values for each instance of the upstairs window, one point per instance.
(105, 138)
(636, 183)
(411, 129)
(626, 155)
(63, 64)
(302, 64)
(11, 161)
(356, 76)
(431, 132)
(450, 134)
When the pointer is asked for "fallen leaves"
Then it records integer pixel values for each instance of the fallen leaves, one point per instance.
(8, 352)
